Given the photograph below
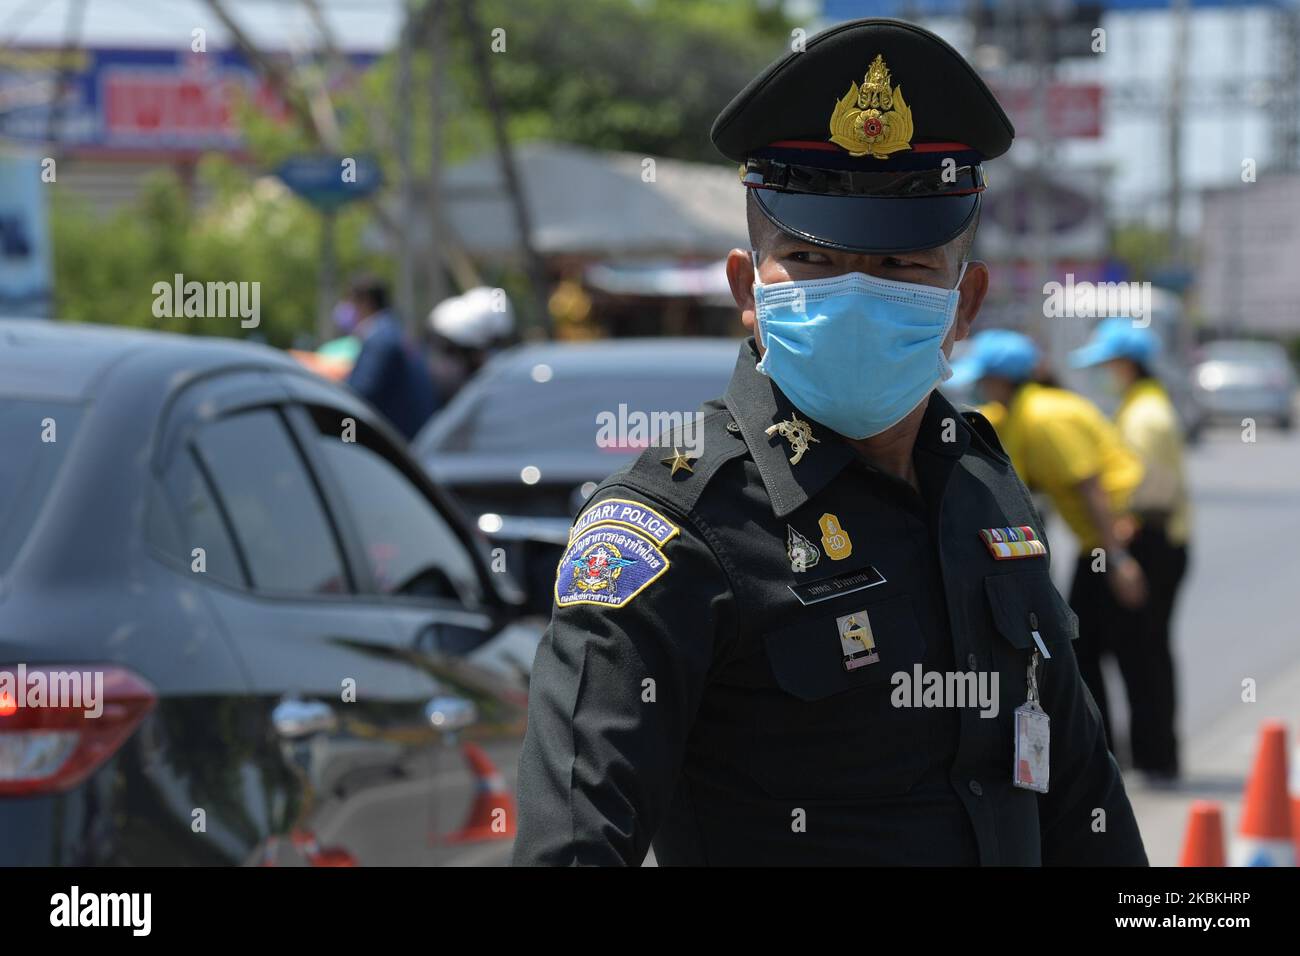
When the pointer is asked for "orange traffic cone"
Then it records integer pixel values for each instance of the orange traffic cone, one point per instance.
(306, 843)
(1264, 837)
(1203, 845)
(492, 814)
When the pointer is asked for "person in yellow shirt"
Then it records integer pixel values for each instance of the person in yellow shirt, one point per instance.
(1149, 424)
(995, 412)
(1062, 445)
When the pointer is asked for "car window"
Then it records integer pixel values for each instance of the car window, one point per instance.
(279, 522)
(185, 516)
(29, 462)
(1264, 353)
(512, 415)
(410, 547)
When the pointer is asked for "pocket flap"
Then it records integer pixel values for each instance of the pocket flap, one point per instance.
(1020, 599)
(807, 660)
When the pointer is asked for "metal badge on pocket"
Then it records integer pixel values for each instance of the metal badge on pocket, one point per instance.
(857, 642)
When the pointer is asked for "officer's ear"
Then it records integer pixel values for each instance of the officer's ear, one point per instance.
(740, 276)
(974, 287)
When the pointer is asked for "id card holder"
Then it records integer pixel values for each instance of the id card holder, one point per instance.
(1033, 738)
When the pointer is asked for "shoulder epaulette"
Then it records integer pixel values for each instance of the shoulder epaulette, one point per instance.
(985, 432)
(679, 467)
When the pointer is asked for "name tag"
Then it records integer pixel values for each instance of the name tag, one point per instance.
(846, 582)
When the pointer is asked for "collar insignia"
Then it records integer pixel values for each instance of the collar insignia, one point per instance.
(802, 552)
(834, 538)
(873, 118)
(797, 433)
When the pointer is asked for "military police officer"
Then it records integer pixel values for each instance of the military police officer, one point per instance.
(831, 637)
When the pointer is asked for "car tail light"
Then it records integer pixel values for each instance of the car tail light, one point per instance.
(55, 745)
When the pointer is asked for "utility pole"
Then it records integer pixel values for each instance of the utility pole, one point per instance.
(71, 40)
(1174, 119)
(269, 69)
(1285, 116)
(327, 278)
(437, 44)
(406, 184)
(1037, 19)
(383, 139)
(478, 41)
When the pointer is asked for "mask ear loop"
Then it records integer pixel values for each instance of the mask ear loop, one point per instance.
(945, 367)
(754, 286)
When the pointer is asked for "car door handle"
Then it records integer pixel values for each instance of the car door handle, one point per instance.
(294, 718)
(450, 713)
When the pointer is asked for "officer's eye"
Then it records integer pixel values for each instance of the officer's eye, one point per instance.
(807, 257)
(891, 262)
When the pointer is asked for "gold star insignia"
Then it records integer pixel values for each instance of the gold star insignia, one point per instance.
(678, 462)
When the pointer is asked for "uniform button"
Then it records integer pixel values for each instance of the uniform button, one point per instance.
(975, 788)
(971, 662)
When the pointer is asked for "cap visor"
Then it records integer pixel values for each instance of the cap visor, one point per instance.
(964, 373)
(870, 224)
(1090, 355)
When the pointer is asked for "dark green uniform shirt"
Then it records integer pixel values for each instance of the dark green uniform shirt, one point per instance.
(692, 691)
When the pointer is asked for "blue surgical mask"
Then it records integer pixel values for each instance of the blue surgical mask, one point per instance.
(854, 352)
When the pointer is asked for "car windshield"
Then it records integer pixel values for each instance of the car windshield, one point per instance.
(595, 412)
(1255, 353)
(35, 437)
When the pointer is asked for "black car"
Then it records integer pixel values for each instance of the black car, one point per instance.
(273, 640)
(525, 443)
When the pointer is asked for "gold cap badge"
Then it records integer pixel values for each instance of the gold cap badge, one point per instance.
(873, 118)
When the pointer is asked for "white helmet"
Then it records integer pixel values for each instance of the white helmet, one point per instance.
(476, 319)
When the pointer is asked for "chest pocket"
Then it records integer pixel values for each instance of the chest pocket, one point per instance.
(1017, 601)
(825, 732)
(1024, 601)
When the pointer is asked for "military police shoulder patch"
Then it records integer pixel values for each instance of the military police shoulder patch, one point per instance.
(628, 514)
(608, 564)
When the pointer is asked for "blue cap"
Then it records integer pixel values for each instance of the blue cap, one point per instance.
(1117, 338)
(998, 352)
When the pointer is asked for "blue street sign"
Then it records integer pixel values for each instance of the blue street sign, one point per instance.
(328, 182)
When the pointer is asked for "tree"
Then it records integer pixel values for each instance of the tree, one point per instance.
(252, 231)
(645, 76)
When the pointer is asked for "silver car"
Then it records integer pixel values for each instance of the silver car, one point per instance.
(1237, 379)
